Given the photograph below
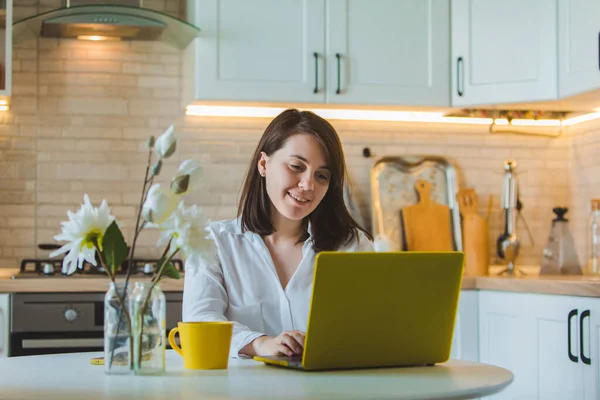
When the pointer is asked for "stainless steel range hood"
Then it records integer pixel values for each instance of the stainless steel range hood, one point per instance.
(106, 20)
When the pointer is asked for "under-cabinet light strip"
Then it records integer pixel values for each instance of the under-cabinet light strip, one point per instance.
(378, 115)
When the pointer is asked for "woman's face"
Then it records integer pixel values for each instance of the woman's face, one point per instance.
(297, 176)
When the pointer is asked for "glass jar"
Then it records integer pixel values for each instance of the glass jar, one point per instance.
(118, 346)
(593, 240)
(149, 308)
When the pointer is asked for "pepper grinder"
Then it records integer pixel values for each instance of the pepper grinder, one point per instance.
(559, 256)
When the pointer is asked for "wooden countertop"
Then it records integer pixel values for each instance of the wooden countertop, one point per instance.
(573, 285)
(60, 284)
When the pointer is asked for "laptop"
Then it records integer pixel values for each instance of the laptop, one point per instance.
(372, 309)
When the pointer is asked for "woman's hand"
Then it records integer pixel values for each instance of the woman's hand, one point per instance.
(288, 343)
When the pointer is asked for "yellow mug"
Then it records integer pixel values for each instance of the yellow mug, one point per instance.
(204, 345)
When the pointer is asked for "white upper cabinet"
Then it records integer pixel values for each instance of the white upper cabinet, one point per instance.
(503, 51)
(6, 21)
(578, 46)
(388, 52)
(259, 50)
(385, 52)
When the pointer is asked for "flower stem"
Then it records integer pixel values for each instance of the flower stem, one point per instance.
(138, 227)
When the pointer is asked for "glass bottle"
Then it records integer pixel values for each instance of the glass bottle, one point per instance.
(149, 309)
(593, 240)
(118, 346)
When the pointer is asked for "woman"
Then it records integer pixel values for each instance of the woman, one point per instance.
(291, 208)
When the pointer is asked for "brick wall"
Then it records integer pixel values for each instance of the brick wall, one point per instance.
(584, 175)
(81, 112)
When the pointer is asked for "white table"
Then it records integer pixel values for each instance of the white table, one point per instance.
(71, 376)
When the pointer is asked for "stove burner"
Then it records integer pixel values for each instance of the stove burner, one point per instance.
(53, 267)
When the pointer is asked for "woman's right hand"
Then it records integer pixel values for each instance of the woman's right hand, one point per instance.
(288, 343)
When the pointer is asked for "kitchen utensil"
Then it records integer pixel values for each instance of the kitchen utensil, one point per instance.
(559, 256)
(427, 225)
(507, 244)
(475, 234)
(393, 188)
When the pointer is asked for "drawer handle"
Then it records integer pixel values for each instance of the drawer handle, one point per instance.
(339, 68)
(572, 357)
(584, 359)
(460, 73)
(316, 89)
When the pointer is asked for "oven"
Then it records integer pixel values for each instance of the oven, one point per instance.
(50, 323)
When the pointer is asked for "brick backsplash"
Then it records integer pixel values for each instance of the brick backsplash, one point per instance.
(584, 175)
(82, 111)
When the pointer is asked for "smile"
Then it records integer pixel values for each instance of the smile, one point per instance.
(298, 199)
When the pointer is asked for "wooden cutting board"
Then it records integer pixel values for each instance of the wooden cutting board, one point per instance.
(474, 234)
(427, 225)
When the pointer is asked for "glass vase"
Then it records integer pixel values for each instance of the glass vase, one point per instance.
(148, 308)
(118, 343)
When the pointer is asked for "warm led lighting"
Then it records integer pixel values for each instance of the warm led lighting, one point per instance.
(3, 108)
(581, 118)
(3, 102)
(535, 122)
(98, 38)
(362, 115)
(379, 115)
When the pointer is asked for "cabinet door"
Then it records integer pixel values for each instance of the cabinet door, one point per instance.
(465, 342)
(388, 52)
(590, 348)
(503, 51)
(507, 339)
(578, 46)
(260, 50)
(6, 20)
(4, 324)
(559, 353)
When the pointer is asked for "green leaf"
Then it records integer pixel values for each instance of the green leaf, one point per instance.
(150, 142)
(170, 271)
(114, 247)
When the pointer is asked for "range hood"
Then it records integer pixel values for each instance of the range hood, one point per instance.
(106, 20)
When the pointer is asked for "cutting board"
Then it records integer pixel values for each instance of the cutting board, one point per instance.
(427, 225)
(474, 233)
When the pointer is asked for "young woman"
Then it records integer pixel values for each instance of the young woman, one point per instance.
(291, 208)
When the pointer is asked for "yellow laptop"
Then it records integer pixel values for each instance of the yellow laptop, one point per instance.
(379, 310)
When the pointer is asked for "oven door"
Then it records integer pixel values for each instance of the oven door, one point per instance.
(52, 323)
(33, 343)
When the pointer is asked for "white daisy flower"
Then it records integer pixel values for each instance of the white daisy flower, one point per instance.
(188, 228)
(84, 227)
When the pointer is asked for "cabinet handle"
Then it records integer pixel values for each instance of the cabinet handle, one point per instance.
(459, 64)
(316, 55)
(339, 57)
(572, 357)
(584, 359)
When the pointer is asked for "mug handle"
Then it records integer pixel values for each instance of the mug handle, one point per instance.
(172, 334)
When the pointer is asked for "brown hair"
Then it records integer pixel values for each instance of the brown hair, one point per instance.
(331, 223)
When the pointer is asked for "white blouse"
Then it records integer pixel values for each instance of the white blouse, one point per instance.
(243, 286)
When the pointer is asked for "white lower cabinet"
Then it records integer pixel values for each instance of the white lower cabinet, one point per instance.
(4, 324)
(465, 342)
(549, 342)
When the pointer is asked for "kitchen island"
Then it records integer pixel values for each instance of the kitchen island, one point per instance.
(71, 376)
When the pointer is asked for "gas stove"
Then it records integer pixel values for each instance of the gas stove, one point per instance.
(52, 267)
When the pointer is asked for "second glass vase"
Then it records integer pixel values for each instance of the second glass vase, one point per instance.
(148, 310)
